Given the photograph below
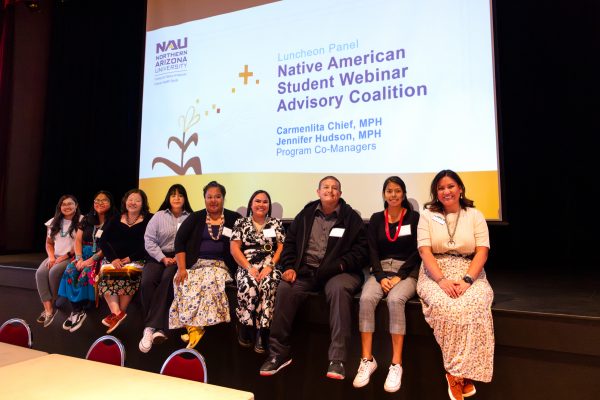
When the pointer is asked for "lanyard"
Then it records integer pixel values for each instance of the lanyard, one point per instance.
(387, 225)
(94, 239)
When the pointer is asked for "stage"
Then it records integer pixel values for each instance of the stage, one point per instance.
(547, 325)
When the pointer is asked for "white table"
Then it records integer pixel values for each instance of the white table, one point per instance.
(10, 354)
(56, 376)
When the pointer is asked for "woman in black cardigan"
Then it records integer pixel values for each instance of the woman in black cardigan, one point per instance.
(203, 267)
(395, 264)
(122, 243)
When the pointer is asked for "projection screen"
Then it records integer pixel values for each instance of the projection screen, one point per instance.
(276, 95)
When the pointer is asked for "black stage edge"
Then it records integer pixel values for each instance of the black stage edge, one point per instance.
(547, 328)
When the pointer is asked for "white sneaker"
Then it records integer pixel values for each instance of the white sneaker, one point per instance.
(365, 369)
(79, 318)
(146, 342)
(69, 321)
(394, 379)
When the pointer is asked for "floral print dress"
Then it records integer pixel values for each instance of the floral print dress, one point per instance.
(78, 286)
(256, 299)
(463, 327)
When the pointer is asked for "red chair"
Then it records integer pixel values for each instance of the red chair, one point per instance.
(16, 331)
(186, 364)
(107, 349)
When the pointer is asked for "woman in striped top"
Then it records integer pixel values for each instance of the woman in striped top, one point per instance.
(158, 273)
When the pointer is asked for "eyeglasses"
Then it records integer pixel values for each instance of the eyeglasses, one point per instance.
(101, 201)
(67, 203)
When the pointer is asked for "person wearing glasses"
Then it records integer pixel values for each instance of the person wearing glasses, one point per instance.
(60, 241)
(77, 282)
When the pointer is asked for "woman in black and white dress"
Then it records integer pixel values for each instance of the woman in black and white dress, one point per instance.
(256, 246)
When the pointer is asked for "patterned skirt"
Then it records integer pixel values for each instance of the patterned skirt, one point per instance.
(118, 282)
(463, 327)
(201, 300)
(76, 285)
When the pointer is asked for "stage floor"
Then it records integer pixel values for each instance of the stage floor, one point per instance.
(546, 327)
(27, 260)
(573, 292)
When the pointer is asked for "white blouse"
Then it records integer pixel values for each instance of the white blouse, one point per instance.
(62, 244)
(471, 232)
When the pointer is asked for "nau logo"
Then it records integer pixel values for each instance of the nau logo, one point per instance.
(171, 45)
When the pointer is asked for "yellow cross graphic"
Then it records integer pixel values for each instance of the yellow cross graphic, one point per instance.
(246, 74)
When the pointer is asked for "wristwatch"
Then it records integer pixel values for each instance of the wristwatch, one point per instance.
(467, 278)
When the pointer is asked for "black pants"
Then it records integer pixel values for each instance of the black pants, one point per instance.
(157, 293)
(79, 306)
(339, 292)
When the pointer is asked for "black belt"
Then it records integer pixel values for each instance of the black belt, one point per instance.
(262, 251)
(467, 256)
(267, 247)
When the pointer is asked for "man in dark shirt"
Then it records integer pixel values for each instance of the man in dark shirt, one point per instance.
(325, 248)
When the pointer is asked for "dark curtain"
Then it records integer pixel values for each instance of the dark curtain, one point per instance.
(94, 99)
(547, 67)
(7, 22)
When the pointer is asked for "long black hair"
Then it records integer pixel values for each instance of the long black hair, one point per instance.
(176, 188)
(398, 181)
(91, 218)
(56, 225)
(249, 210)
(434, 204)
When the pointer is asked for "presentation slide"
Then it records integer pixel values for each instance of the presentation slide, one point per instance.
(277, 95)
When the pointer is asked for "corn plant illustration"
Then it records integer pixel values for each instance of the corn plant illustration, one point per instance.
(186, 122)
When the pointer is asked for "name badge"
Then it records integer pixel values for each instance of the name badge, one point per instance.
(337, 232)
(270, 233)
(227, 232)
(404, 230)
(99, 233)
(438, 219)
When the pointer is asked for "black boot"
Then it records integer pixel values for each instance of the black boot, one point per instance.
(244, 336)
(262, 338)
